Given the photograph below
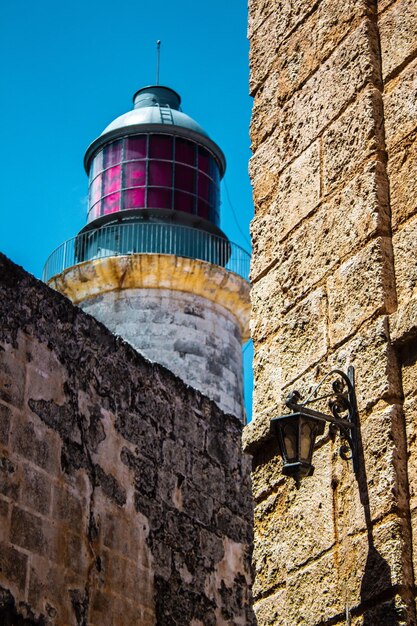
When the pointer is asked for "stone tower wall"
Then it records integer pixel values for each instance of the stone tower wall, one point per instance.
(335, 284)
(198, 340)
(124, 496)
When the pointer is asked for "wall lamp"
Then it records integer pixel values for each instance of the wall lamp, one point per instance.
(296, 432)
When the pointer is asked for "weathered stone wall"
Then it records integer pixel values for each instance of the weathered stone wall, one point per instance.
(198, 340)
(334, 284)
(124, 495)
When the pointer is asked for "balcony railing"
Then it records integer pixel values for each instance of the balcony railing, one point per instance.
(148, 238)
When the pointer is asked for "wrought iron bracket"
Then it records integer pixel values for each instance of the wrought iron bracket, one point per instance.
(343, 417)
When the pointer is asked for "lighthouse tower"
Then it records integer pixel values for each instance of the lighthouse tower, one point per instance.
(152, 263)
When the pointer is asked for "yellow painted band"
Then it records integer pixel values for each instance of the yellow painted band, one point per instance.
(158, 271)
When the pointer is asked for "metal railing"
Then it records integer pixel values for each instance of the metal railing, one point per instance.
(148, 238)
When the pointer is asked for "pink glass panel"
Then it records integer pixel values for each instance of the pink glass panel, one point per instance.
(112, 179)
(111, 203)
(203, 187)
(97, 165)
(203, 161)
(184, 177)
(185, 152)
(203, 210)
(160, 147)
(184, 202)
(135, 174)
(134, 198)
(113, 153)
(159, 198)
(94, 212)
(95, 190)
(160, 173)
(135, 148)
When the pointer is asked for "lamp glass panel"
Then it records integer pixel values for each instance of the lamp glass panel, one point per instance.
(183, 201)
(160, 173)
(289, 433)
(159, 198)
(185, 152)
(97, 165)
(112, 179)
(135, 174)
(307, 432)
(135, 148)
(111, 203)
(160, 147)
(113, 153)
(134, 198)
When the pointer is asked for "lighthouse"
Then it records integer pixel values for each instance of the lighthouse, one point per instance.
(152, 262)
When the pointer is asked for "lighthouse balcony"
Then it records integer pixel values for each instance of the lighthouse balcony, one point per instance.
(148, 238)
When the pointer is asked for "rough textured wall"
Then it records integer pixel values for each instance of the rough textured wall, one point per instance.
(124, 495)
(198, 340)
(334, 282)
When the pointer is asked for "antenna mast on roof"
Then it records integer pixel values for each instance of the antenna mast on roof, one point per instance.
(158, 56)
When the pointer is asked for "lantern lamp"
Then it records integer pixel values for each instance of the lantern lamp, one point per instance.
(296, 432)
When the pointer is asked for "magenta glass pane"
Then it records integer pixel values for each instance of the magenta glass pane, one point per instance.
(203, 161)
(135, 148)
(95, 190)
(203, 187)
(203, 210)
(160, 173)
(111, 203)
(134, 198)
(184, 202)
(160, 147)
(112, 179)
(159, 198)
(135, 174)
(97, 164)
(185, 177)
(113, 154)
(185, 152)
(94, 212)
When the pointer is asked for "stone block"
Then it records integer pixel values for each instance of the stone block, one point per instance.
(271, 611)
(68, 509)
(410, 412)
(362, 287)
(5, 416)
(13, 565)
(125, 578)
(376, 367)
(400, 106)
(50, 590)
(402, 172)
(288, 15)
(397, 30)
(27, 531)
(324, 96)
(287, 524)
(10, 476)
(352, 138)
(405, 267)
(12, 377)
(35, 490)
(314, 40)
(345, 222)
(262, 51)
(297, 194)
(32, 440)
(4, 521)
(393, 611)
(381, 489)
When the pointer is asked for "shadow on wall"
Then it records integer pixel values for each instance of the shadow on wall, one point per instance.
(376, 583)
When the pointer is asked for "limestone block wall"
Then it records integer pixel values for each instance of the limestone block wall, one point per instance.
(124, 496)
(334, 282)
(196, 339)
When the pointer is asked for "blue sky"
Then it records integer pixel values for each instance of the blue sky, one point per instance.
(70, 68)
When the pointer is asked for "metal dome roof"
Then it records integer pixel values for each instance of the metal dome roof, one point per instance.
(156, 109)
(155, 115)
